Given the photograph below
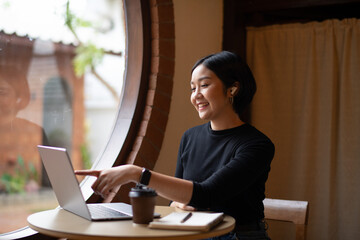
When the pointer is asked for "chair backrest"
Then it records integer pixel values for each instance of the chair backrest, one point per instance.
(288, 211)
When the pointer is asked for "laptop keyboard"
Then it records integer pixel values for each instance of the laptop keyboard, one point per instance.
(99, 211)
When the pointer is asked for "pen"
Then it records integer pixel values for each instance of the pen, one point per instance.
(186, 217)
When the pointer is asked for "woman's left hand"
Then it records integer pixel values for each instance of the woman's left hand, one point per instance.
(182, 206)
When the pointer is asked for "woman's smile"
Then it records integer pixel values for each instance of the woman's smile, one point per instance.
(202, 106)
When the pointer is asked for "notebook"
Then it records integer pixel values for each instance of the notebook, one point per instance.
(196, 221)
(68, 193)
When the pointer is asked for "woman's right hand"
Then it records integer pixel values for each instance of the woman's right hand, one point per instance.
(108, 181)
(182, 206)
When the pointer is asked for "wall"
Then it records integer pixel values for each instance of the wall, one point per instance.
(198, 32)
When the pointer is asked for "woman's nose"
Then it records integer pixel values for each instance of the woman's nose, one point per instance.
(197, 94)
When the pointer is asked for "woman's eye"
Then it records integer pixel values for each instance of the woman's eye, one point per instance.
(202, 86)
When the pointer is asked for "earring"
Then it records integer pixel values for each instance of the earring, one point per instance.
(233, 89)
(231, 100)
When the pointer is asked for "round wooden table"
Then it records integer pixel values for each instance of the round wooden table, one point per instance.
(63, 224)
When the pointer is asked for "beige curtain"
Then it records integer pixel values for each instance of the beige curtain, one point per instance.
(308, 102)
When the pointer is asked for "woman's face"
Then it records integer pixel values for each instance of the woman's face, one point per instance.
(208, 96)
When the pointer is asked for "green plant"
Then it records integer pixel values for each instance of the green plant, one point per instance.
(85, 155)
(84, 149)
(16, 182)
(88, 55)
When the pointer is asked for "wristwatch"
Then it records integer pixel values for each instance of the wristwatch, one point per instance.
(145, 177)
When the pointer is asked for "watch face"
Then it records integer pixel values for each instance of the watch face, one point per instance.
(145, 177)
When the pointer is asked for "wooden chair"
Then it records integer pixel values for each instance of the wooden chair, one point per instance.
(288, 211)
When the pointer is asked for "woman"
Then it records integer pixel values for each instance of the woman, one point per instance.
(222, 165)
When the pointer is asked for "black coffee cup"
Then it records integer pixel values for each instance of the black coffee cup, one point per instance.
(142, 201)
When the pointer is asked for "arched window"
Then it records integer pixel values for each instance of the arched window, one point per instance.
(140, 124)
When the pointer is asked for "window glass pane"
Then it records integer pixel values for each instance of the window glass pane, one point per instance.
(49, 94)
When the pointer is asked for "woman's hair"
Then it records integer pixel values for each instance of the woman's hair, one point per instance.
(230, 68)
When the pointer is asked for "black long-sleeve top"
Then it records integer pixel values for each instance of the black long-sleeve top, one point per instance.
(228, 168)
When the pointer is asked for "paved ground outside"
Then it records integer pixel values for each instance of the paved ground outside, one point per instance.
(15, 208)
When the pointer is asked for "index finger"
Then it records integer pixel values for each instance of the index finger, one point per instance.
(95, 173)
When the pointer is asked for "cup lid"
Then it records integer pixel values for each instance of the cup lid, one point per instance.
(141, 191)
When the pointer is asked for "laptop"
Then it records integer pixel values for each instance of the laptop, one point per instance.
(68, 193)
